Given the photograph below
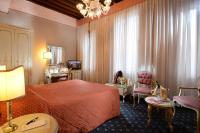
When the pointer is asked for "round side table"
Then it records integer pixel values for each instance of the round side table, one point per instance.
(157, 102)
(51, 125)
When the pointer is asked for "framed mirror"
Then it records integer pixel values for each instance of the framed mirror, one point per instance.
(58, 54)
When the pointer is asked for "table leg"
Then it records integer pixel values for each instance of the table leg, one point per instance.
(169, 118)
(149, 109)
(138, 98)
(123, 94)
(133, 100)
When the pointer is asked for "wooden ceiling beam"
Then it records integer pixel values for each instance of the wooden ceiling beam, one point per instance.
(56, 8)
(67, 7)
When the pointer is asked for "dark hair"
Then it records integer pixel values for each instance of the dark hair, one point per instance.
(118, 74)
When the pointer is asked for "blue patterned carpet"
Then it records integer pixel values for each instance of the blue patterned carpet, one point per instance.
(134, 120)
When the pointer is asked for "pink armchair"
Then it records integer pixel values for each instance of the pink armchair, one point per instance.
(143, 87)
(190, 102)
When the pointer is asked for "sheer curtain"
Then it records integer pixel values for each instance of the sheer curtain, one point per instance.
(95, 45)
(83, 49)
(176, 51)
(160, 36)
(132, 40)
(188, 42)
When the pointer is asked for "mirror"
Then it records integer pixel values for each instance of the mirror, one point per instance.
(58, 55)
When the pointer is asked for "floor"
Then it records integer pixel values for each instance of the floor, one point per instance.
(134, 120)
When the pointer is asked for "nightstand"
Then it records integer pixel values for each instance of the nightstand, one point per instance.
(51, 125)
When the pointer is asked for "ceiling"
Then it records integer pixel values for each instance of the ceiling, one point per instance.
(67, 7)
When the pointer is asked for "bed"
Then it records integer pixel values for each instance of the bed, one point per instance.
(77, 105)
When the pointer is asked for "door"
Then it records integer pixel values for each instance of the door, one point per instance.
(22, 51)
(6, 41)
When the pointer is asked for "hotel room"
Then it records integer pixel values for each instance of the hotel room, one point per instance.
(99, 66)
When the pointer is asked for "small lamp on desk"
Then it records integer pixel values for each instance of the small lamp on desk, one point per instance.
(12, 86)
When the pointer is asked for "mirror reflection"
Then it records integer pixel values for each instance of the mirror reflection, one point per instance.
(58, 55)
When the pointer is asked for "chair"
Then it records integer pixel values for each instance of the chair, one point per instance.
(190, 102)
(143, 87)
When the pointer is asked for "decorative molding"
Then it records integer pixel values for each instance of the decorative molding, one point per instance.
(43, 12)
(114, 8)
(4, 5)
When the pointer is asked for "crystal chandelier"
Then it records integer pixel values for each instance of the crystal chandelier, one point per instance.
(93, 8)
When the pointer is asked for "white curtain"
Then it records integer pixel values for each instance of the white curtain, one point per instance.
(132, 40)
(176, 51)
(83, 50)
(95, 42)
(161, 36)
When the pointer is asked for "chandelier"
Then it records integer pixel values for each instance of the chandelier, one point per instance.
(93, 8)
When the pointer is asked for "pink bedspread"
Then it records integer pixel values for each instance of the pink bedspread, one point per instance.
(77, 105)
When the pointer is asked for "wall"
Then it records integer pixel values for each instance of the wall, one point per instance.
(43, 32)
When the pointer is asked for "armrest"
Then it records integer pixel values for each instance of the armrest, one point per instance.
(189, 88)
(186, 88)
(137, 84)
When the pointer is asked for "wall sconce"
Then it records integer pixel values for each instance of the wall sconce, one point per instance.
(47, 55)
(2, 67)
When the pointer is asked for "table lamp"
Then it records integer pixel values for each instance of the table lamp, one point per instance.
(12, 86)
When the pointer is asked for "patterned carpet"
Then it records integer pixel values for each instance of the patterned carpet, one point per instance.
(134, 120)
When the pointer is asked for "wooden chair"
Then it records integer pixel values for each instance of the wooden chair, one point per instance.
(190, 102)
(143, 87)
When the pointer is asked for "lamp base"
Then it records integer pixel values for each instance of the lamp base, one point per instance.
(10, 128)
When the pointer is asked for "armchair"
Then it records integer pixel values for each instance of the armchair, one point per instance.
(143, 87)
(190, 102)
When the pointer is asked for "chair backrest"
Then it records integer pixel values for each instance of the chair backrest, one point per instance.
(144, 77)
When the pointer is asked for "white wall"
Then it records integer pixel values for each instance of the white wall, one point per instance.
(43, 32)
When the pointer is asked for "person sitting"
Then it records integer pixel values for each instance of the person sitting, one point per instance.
(119, 79)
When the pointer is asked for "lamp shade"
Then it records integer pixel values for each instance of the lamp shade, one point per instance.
(47, 55)
(12, 83)
(2, 67)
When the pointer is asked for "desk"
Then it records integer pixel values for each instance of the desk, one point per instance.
(51, 125)
(123, 89)
(158, 103)
(55, 77)
(56, 73)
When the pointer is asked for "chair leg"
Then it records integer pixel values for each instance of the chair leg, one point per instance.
(174, 109)
(133, 100)
(138, 98)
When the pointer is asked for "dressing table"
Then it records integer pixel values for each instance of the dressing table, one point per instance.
(54, 74)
